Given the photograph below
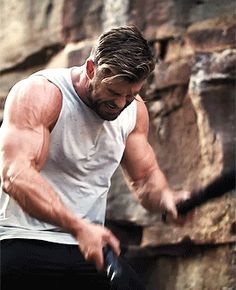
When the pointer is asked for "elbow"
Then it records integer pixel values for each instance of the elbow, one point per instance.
(6, 182)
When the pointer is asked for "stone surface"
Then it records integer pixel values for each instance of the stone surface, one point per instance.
(212, 91)
(173, 73)
(36, 26)
(213, 34)
(81, 19)
(212, 224)
(202, 268)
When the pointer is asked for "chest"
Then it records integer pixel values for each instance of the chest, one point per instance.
(80, 142)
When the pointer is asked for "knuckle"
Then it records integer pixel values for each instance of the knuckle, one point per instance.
(89, 254)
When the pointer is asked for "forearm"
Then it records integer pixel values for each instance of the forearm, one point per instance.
(150, 188)
(37, 198)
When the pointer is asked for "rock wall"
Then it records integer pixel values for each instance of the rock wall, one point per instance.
(191, 101)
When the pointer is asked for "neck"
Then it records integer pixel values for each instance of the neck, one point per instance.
(80, 82)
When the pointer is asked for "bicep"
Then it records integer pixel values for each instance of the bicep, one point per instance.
(24, 135)
(139, 158)
(21, 146)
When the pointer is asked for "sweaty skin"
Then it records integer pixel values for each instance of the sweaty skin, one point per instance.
(32, 109)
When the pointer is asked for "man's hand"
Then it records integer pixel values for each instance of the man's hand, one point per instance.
(169, 199)
(92, 238)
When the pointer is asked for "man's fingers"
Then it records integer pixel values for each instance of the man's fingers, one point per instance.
(171, 214)
(171, 210)
(99, 260)
(115, 244)
(96, 254)
(96, 257)
(182, 195)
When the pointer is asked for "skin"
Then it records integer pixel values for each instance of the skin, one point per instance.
(25, 139)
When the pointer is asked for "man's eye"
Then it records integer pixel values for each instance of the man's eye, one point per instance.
(116, 94)
(113, 93)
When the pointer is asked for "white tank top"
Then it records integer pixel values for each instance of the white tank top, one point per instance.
(84, 152)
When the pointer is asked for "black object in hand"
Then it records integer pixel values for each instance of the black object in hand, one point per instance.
(120, 274)
(113, 267)
(219, 186)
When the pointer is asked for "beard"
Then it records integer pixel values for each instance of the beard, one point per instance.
(107, 110)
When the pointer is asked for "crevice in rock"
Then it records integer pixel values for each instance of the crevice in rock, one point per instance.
(233, 228)
(184, 249)
(49, 8)
(127, 232)
(199, 2)
(163, 47)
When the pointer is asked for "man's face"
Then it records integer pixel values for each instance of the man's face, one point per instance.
(109, 98)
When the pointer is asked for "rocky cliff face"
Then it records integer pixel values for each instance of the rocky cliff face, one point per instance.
(191, 101)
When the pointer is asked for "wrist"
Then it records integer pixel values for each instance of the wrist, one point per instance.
(75, 225)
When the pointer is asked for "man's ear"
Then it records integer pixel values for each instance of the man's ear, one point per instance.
(90, 68)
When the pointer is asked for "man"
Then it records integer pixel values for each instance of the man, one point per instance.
(64, 133)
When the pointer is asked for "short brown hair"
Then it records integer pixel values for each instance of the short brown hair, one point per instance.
(124, 52)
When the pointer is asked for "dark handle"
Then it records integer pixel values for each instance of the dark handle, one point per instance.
(120, 273)
(219, 186)
(113, 267)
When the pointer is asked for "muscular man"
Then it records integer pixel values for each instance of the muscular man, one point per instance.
(64, 133)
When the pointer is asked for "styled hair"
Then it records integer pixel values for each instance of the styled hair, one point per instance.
(123, 52)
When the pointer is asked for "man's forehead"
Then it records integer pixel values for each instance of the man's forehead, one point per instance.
(122, 82)
(123, 87)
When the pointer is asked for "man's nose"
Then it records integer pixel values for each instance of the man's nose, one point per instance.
(120, 102)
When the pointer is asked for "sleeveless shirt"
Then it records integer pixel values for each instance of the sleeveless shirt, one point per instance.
(84, 152)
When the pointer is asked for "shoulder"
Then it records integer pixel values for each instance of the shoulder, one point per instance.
(34, 98)
(142, 118)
